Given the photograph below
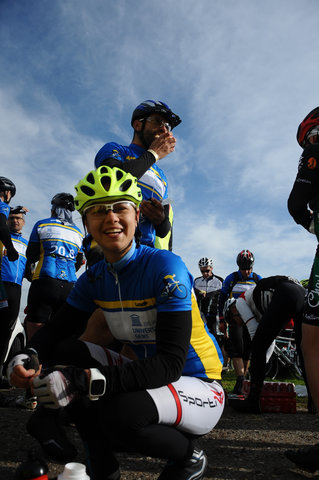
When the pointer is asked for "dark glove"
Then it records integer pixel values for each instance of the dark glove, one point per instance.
(12, 254)
(58, 386)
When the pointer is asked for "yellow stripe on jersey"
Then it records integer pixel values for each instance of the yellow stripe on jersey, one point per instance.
(61, 225)
(58, 240)
(37, 271)
(204, 345)
(127, 304)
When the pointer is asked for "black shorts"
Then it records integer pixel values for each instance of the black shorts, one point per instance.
(45, 297)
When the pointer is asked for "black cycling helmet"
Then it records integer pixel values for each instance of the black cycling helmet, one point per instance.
(7, 185)
(17, 209)
(308, 123)
(145, 109)
(245, 260)
(64, 200)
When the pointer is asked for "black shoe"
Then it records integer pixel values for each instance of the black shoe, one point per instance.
(238, 388)
(249, 405)
(45, 425)
(305, 458)
(193, 469)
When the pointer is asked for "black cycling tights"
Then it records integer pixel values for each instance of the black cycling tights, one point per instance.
(126, 422)
(286, 303)
(121, 422)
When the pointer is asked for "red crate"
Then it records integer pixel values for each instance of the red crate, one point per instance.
(275, 397)
(278, 404)
(273, 389)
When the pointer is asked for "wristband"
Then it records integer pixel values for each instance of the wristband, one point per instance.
(97, 384)
(154, 153)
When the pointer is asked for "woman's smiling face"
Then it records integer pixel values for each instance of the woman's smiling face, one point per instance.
(112, 228)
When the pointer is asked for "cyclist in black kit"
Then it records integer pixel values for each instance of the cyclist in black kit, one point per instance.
(303, 206)
(207, 289)
(264, 310)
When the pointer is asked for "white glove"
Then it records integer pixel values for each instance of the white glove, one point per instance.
(52, 390)
(60, 385)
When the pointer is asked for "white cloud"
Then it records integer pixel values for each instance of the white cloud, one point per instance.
(239, 74)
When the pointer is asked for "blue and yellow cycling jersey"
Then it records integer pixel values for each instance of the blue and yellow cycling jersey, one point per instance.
(59, 245)
(133, 291)
(14, 271)
(4, 208)
(153, 183)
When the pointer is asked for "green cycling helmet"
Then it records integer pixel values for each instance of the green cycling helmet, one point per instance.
(108, 184)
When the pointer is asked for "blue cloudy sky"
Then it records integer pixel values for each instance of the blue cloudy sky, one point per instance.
(241, 75)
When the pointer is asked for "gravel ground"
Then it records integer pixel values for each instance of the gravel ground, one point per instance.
(241, 447)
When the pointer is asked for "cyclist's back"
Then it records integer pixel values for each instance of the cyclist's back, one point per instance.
(56, 245)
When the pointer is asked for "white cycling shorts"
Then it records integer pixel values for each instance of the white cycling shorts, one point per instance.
(189, 404)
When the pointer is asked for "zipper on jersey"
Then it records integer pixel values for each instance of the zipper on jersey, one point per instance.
(117, 282)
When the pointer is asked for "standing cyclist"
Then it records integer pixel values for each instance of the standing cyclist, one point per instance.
(207, 289)
(237, 343)
(56, 244)
(158, 403)
(303, 206)
(13, 272)
(7, 191)
(153, 122)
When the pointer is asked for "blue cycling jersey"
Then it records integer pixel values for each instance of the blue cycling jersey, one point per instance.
(4, 208)
(14, 271)
(59, 245)
(133, 291)
(240, 286)
(153, 183)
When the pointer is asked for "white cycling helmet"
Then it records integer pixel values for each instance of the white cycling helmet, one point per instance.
(205, 262)
(227, 305)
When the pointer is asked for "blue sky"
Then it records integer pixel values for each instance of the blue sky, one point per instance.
(241, 75)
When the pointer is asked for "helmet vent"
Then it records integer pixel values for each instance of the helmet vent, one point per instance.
(119, 174)
(126, 185)
(87, 191)
(106, 182)
(90, 178)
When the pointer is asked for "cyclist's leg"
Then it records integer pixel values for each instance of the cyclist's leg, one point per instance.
(286, 301)
(160, 423)
(45, 296)
(236, 351)
(9, 316)
(310, 331)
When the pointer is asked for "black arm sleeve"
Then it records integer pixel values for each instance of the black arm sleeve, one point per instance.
(221, 302)
(79, 261)
(173, 334)
(5, 235)
(33, 252)
(306, 187)
(68, 322)
(163, 228)
(136, 166)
